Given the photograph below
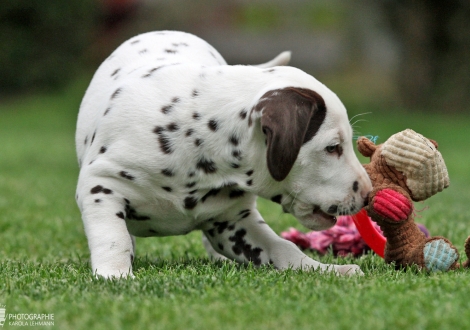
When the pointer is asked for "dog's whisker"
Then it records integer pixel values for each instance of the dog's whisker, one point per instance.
(359, 114)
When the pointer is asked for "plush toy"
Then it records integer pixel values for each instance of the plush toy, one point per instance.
(406, 168)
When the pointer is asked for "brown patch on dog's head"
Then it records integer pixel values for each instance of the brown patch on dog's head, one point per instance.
(290, 117)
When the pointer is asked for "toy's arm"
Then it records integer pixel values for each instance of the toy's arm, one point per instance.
(390, 203)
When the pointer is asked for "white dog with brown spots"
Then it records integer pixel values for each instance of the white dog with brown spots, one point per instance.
(171, 139)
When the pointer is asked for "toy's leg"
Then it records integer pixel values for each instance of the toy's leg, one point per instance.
(466, 264)
(440, 255)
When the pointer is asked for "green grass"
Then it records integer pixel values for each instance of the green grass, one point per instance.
(44, 254)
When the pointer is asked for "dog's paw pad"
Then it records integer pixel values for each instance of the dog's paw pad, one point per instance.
(439, 255)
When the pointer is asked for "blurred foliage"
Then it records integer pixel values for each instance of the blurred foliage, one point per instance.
(42, 41)
(265, 17)
(434, 39)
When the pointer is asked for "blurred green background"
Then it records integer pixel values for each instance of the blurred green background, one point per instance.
(412, 54)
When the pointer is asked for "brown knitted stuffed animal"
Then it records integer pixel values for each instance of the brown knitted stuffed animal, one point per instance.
(407, 167)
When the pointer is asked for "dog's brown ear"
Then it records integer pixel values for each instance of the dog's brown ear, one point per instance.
(291, 117)
(365, 146)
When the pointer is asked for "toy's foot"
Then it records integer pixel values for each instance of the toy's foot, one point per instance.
(439, 255)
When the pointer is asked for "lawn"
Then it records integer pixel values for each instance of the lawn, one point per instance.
(44, 255)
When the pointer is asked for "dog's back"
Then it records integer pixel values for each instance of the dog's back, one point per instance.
(144, 53)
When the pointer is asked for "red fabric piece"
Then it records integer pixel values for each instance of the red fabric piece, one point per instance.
(391, 204)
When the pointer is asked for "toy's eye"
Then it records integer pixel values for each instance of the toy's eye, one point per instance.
(335, 148)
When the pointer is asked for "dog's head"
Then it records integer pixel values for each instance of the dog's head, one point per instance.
(310, 153)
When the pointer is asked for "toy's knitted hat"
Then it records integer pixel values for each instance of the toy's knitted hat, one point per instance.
(419, 160)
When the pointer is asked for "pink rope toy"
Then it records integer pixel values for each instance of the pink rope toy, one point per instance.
(351, 235)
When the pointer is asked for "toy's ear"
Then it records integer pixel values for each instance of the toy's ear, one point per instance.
(365, 146)
(435, 143)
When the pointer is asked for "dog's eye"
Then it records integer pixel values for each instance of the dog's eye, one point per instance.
(336, 148)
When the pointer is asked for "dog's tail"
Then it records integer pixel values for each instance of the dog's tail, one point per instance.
(281, 59)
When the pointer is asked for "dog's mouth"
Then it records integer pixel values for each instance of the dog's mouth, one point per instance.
(318, 212)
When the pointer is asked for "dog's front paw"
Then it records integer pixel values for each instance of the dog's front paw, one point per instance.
(348, 270)
(110, 274)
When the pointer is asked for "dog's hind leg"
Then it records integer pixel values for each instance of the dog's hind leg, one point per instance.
(111, 245)
(213, 254)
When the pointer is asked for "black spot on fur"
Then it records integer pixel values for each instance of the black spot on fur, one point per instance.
(196, 116)
(211, 232)
(190, 185)
(249, 173)
(171, 51)
(116, 93)
(167, 189)
(243, 114)
(158, 130)
(127, 201)
(221, 226)
(103, 150)
(190, 202)
(131, 214)
(126, 175)
(115, 72)
(277, 199)
(120, 215)
(198, 142)
(107, 111)
(355, 186)
(167, 108)
(193, 192)
(135, 42)
(86, 140)
(234, 140)
(96, 189)
(231, 227)
(93, 138)
(195, 93)
(191, 174)
(261, 222)
(244, 213)
(189, 132)
(149, 73)
(175, 99)
(236, 193)
(213, 125)
(167, 172)
(249, 182)
(165, 144)
(208, 166)
(234, 165)
(143, 51)
(221, 247)
(98, 200)
(172, 127)
(212, 192)
(237, 154)
(99, 189)
(241, 246)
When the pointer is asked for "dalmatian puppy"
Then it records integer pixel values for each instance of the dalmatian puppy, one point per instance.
(171, 139)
